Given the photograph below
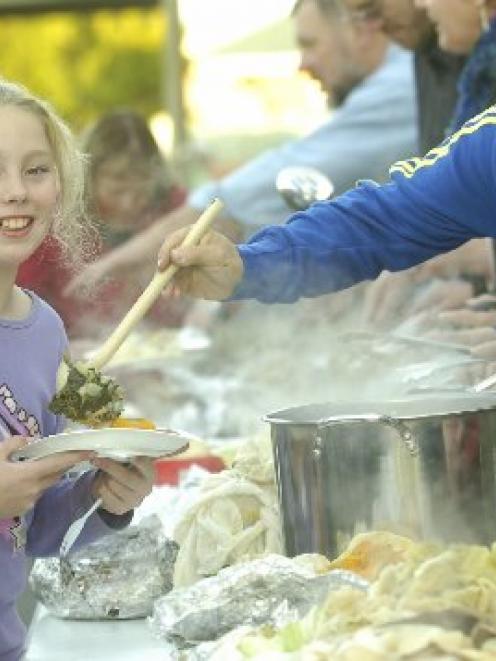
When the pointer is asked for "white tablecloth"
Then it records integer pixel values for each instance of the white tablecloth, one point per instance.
(51, 639)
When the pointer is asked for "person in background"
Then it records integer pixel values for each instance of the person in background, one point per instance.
(436, 71)
(370, 82)
(448, 281)
(431, 205)
(41, 193)
(469, 26)
(129, 186)
(129, 182)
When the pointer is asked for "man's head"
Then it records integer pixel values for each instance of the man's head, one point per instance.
(337, 52)
(401, 20)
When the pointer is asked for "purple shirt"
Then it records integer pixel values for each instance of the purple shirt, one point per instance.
(30, 353)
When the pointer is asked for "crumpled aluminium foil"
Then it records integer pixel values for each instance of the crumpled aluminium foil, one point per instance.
(117, 577)
(272, 590)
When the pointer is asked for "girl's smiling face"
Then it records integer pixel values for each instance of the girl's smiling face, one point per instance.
(457, 22)
(29, 185)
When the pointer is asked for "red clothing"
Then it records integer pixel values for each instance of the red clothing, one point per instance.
(47, 274)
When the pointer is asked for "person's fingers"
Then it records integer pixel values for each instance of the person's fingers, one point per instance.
(467, 337)
(145, 467)
(204, 254)
(128, 496)
(112, 502)
(172, 241)
(439, 335)
(484, 301)
(56, 464)
(127, 476)
(47, 481)
(11, 445)
(485, 350)
(443, 295)
(426, 300)
(388, 304)
(468, 318)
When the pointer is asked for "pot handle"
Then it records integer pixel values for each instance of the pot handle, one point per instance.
(405, 433)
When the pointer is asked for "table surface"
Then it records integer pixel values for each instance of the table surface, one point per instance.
(51, 639)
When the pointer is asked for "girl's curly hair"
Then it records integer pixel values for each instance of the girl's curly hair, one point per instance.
(71, 226)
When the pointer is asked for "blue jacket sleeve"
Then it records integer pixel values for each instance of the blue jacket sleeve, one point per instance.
(431, 205)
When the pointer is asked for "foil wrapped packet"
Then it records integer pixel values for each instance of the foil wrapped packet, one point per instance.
(117, 577)
(272, 590)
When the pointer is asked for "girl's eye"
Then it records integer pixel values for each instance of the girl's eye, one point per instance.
(38, 169)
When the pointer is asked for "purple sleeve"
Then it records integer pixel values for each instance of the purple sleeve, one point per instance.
(58, 507)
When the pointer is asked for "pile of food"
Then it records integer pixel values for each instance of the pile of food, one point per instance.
(424, 602)
(88, 396)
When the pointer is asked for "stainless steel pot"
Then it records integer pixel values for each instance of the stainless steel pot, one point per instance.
(420, 467)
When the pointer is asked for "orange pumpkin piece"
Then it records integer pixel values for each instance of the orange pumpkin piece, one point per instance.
(133, 423)
(368, 553)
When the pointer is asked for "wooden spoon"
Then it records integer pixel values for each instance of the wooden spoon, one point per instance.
(159, 281)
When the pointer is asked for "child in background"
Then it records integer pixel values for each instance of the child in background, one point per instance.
(41, 194)
(129, 185)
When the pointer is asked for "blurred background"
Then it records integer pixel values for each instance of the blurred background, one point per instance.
(217, 81)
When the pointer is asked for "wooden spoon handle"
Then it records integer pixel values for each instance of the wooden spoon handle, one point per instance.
(152, 292)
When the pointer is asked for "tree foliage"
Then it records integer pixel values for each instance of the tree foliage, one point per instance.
(87, 63)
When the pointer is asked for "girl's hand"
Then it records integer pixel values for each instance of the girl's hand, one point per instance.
(22, 483)
(123, 487)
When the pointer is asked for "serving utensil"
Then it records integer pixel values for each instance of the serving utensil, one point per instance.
(96, 390)
(76, 528)
(485, 384)
(407, 341)
(301, 186)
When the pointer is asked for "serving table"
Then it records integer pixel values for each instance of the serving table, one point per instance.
(51, 639)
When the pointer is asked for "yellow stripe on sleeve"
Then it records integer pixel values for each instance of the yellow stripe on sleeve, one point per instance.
(409, 167)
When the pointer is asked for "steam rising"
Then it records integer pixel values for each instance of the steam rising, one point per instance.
(268, 357)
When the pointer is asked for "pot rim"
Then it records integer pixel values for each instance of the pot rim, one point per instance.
(397, 409)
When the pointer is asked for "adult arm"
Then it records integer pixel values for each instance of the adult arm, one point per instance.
(142, 248)
(375, 126)
(431, 206)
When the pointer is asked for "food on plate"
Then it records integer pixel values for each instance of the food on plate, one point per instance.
(133, 423)
(88, 396)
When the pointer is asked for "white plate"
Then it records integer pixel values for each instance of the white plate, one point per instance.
(118, 444)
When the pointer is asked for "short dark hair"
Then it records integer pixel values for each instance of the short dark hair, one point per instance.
(325, 6)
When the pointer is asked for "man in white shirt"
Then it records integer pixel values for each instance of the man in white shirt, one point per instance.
(372, 124)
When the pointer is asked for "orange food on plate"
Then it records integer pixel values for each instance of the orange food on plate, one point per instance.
(133, 423)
